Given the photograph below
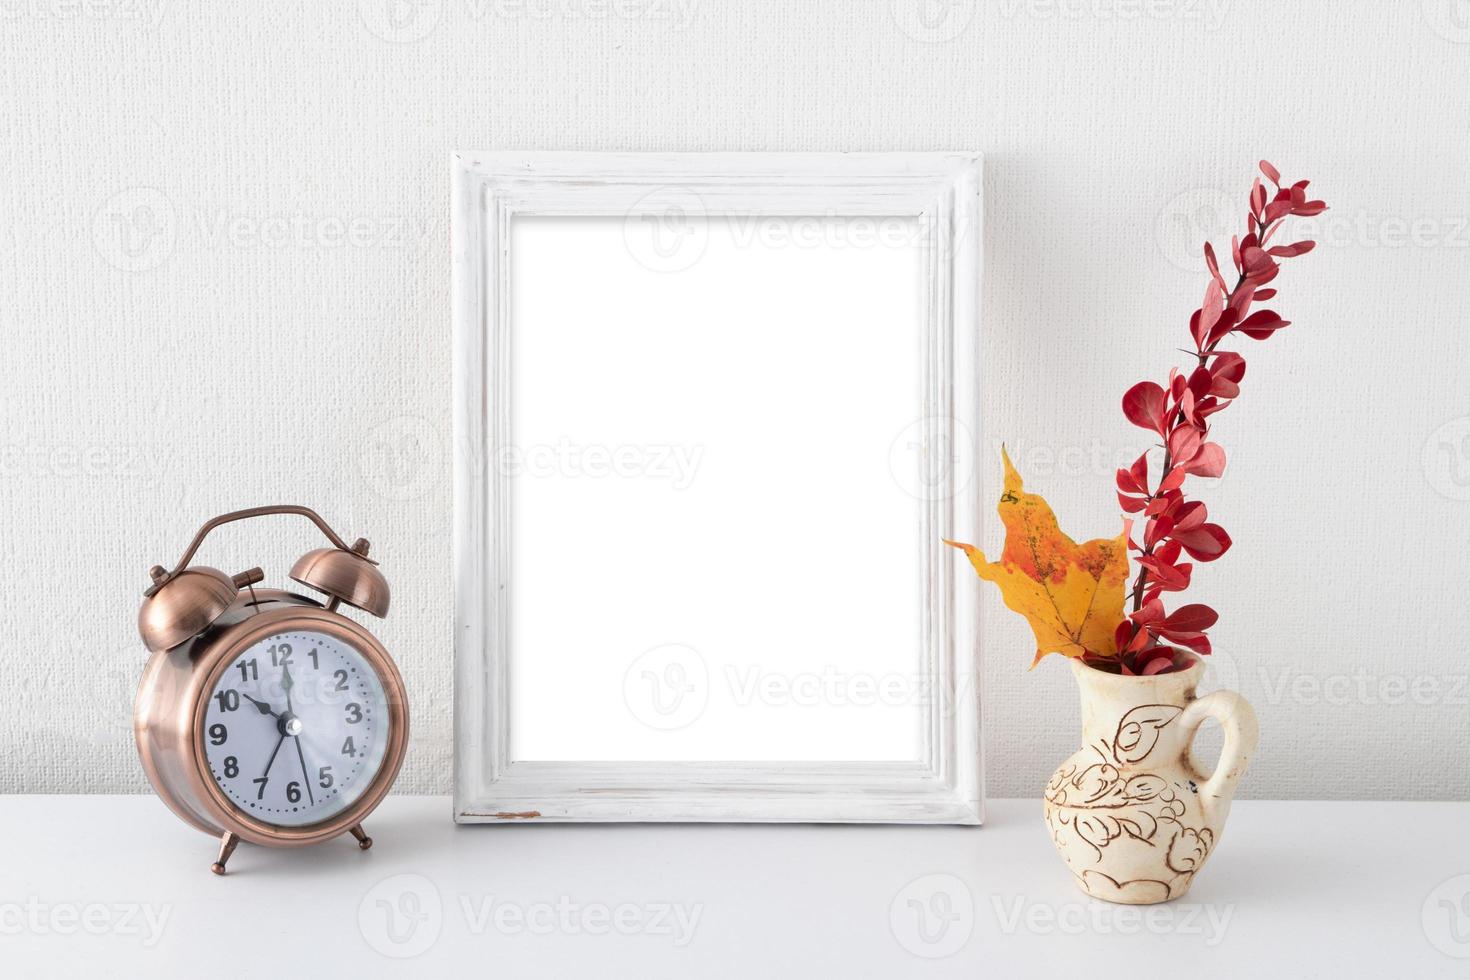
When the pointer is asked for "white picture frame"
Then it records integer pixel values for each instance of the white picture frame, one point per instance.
(940, 194)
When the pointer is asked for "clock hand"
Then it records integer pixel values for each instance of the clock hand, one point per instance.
(261, 706)
(272, 759)
(286, 684)
(306, 776)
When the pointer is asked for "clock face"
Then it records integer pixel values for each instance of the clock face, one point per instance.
(296, 728)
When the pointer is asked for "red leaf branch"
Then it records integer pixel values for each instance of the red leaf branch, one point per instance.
(1180, 412)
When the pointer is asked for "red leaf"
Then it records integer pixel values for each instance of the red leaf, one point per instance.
(1156, 530)
(1189, 517)
(1255, 259)
(1197, 642)
(1214, 296)
(1209, 461)
(1204, 543)
(1228, 364)
(1226, 373)
(1271, 173)
(1210, 406)
(1209, 313)
(1200, 381)
(1261, 324)
(1158, 665)
(1173, 480)
(1184, 442)
(1177, 384)
(1144, 405)
(1265, 294)
(1141, 638)
(1223, 326)
(1242, 299)
(1293, 250)
(1148, 613)
(1193, 618)
(1139, 471)
(1150, 562)
(1167, 577)
(1214, 266)
(1186, 406)
(1131, 505)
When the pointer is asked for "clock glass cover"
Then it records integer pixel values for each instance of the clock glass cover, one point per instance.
(296, 728)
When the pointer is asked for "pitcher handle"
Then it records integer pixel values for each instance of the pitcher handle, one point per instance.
(1238, 720)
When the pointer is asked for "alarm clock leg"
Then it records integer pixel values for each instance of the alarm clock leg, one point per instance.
(363, 840)
(226, 848)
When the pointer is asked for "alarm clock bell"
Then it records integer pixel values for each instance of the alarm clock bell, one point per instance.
(346, 576)
(177, 607)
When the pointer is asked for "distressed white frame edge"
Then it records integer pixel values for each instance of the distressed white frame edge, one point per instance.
(489, 788)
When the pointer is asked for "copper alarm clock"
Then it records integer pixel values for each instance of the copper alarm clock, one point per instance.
(263, 715)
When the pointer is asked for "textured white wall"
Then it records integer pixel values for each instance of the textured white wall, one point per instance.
(226, 282)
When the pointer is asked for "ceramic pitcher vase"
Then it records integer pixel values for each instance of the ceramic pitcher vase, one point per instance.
(1130, 812)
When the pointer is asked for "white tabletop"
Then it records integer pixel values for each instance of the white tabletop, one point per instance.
(116, 886)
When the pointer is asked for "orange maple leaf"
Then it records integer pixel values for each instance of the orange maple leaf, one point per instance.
(1071, 594)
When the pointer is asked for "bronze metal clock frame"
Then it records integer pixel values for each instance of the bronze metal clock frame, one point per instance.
(196, 621)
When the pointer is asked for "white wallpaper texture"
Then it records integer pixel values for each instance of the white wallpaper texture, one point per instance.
(225, 282)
